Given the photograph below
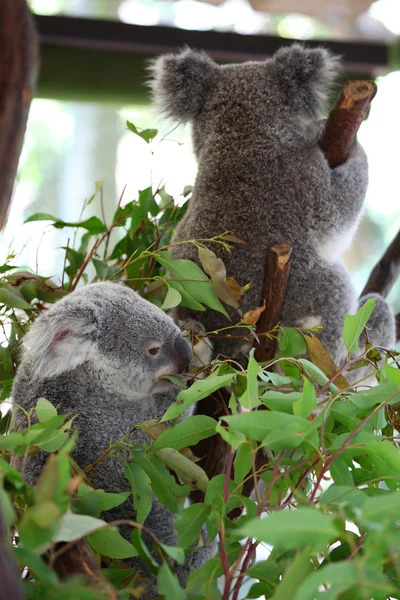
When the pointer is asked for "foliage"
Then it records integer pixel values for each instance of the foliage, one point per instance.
(328, 502)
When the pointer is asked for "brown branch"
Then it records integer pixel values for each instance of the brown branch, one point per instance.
(277, 266)
(345, 119)
(19, 64)
(77, 560)
(213, 452)
(386, 271)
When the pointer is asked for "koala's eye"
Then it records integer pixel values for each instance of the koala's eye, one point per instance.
(154, 349)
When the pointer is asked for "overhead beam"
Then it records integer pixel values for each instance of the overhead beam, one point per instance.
(91, 58)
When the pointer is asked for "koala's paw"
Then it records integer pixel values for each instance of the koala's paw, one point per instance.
(195, 560)
(381, 326)
(202, 347)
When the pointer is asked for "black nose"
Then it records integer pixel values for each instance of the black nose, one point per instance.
(183, 354)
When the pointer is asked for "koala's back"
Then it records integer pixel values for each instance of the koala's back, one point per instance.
(263, 198)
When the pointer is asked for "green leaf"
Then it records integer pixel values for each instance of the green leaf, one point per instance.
(168, 585)
(11, 297)
(186, 469)
(308, 402)
(289, 436)
(354, 325)
(192, 279)
(141, 490)
(242, 463)
(109, 542)
(164, 486)
(341, 573)
(291, 342)
(381, 508)
(376, 395)
(172, 299)
(177, 554)
(341, 473)
(93, 224)
(73, 527)
(148, 134)
(343, 494)
(37, 567)
(280, 401)
(250, 397)
(101, 268)
(258, 424)
(148, 203)
(187, 299)
(315, 373)
(189, 523)
(294, 576)
(186, 433)
(200, 389)
(292, 529)
(45, 410)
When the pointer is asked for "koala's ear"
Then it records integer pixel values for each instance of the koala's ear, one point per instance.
(305, 76)
(180, 83)
(62, 339)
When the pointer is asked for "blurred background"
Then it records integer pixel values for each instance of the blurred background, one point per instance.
(92, 80)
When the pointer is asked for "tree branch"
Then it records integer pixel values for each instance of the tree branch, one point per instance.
(77, 560)
(345, 119)
(276, 275)
(385, 272)
(19, 65)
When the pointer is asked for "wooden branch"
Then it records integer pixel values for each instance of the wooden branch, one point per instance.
(77, 560)
(213, 452)
(19, 64)
(345, 119)
(276, 275)
(385, 272)
(10, 577)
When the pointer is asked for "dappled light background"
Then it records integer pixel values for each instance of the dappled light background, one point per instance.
(71, 145)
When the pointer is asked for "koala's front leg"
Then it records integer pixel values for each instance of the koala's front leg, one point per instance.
(348, 187)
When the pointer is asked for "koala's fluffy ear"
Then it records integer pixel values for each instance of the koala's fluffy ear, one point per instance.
(305, 76)
(62, 339)
(180, 83)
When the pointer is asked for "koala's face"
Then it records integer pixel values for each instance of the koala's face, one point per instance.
(129, 342)
(242, 99)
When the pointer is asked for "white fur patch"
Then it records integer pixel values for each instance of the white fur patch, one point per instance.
(309, 322)
(331, 248)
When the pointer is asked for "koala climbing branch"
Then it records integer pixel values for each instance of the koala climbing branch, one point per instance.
(19, 61)
(345, 119)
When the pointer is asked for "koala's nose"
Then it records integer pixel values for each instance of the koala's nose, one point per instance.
(183, 353)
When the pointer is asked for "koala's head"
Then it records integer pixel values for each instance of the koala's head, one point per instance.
(127, 341)
(242, 99)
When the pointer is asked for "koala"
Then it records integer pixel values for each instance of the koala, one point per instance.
(263, 177)
(99, 354)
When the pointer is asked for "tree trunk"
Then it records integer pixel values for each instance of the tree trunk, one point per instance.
(18, 70)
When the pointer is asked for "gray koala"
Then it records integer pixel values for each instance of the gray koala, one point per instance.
(99, 354)
(263, 177)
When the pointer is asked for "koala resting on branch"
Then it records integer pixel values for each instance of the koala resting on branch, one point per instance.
(99, 354)
(263, 177)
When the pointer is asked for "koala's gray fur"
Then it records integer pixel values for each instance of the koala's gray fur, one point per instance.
(89, 356)
(263, 177)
